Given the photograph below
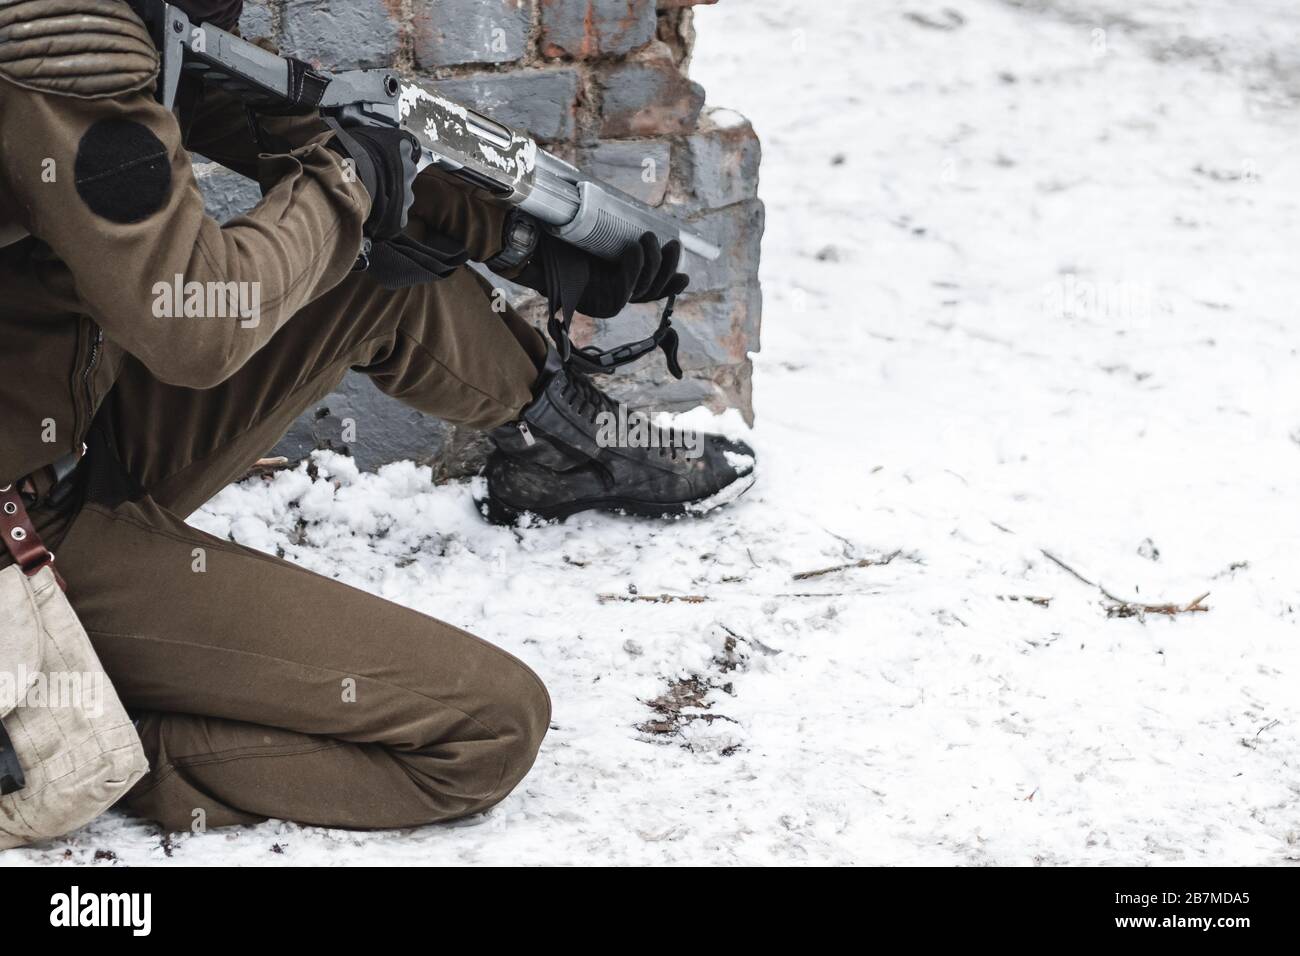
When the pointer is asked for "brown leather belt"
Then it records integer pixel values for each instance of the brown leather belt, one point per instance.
(21, 540)
(24, 544)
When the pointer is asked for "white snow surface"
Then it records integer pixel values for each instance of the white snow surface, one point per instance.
(1028, 289)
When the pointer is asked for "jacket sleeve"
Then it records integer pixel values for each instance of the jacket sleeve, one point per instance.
(217, 125)
(108, 185)
(471, 216)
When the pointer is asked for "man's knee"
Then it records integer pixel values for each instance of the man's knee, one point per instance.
(507, 712)
(520, 715)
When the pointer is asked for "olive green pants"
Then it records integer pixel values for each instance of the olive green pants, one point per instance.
(264, 690)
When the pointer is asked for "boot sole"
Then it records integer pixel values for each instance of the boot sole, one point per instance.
(499, 512)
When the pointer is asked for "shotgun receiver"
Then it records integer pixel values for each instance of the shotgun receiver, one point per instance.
(460, 141)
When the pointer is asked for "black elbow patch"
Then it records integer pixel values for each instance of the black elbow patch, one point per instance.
(123, 171)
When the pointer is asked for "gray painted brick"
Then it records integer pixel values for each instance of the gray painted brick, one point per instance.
(663, 395)
(648, 96)
(255, 21)
(341, 34)
(624, 164)
(590, 28)
(718, 328)
(541, 101)
(723, 163)
(385, 429)
(456, 32)
(714, 328)
(738, 230)
(650, 387)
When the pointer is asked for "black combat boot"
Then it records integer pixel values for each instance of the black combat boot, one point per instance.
(575, 450)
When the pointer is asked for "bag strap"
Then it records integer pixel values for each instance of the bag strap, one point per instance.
(20, 537)
(30, 554)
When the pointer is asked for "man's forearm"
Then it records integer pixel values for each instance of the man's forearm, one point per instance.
(469, 215)
(218, 127)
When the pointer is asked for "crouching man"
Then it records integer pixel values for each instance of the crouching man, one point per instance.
(262, 690)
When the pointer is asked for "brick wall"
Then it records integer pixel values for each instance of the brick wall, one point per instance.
(602, 82)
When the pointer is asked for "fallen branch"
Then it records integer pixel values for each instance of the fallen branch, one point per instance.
(702, 598)
(1122, 607)
(1057, 561)
(653, 598)
(862, 563)
(821, 594)
(1138, 609)
(1028, 598)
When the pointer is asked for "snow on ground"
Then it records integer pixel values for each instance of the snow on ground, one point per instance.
(1030, 287)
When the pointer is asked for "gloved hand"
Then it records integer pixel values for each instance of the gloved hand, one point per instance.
(568, 277)
(385, 160)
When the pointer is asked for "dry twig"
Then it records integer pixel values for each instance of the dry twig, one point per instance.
(1138, 609)
(1122, 607)
(862, 563)
(1028, 598)
(653, 598)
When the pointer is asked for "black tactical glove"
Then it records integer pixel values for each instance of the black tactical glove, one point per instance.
(385, 161)
(571, 278)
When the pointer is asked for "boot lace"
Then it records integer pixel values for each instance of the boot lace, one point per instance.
(588, 400)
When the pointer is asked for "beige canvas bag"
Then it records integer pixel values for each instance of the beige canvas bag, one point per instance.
(68, 750)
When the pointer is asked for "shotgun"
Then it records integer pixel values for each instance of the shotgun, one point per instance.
(462, 142)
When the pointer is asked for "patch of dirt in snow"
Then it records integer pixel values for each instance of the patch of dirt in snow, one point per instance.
(684, 713)
(1007, 312)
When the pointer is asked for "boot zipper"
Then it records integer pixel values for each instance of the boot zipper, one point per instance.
(524, 430)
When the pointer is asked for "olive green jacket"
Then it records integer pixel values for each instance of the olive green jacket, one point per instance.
(100, 210)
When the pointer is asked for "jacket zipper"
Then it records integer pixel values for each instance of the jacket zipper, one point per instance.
(86, 382)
